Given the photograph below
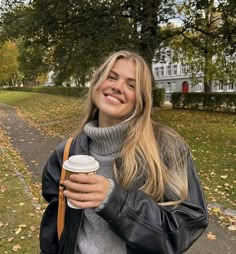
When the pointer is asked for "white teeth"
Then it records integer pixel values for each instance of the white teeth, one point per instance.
(112, 98)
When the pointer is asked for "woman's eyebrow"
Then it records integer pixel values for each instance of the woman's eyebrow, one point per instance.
(132, 79)
(113, 72)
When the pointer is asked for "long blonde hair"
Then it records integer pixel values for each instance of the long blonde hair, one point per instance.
(151, 152)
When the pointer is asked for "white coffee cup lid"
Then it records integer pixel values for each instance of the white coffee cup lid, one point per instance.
(81, 163)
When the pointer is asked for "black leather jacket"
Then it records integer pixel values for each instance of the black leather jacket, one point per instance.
(145, 226)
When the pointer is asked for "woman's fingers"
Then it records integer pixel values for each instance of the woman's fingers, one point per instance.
(87, 183)
(89, 190)
(81, 187)
(85, 178)
(83, 196)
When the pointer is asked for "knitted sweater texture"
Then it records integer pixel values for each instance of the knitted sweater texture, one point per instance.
(96, 235)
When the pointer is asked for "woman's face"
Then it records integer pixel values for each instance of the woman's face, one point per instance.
(115, 97)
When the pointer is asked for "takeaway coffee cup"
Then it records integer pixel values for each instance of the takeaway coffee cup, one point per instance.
(80, 164)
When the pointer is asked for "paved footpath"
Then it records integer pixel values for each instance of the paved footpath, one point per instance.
(35, 148)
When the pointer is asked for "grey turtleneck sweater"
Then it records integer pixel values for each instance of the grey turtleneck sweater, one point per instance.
(95, 236)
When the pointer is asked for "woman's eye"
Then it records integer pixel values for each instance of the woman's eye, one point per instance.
(111, 77)
(130, 85)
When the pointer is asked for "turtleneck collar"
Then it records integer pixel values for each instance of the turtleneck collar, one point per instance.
(106, 141)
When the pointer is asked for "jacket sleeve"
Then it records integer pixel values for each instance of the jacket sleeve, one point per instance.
(50, 184)
(147, 227)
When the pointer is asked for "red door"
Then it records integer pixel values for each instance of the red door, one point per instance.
(185, 87)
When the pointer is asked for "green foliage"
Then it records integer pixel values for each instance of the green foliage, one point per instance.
(9, 73)
(158, 97)
(76, 35)
(225, 102)
(72, 37)
(31, 62)
(176, 99)
(16, 25)
(207, 43)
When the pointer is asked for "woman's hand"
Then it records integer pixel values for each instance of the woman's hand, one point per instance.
(86, 191)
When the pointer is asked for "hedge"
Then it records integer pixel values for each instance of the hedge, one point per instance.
(57, 90)
(224, 102)
(158, 93)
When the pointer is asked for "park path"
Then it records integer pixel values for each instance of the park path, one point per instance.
(35, 148)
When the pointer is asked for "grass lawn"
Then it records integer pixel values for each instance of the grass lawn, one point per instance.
(211, 136)
(20, 209)
(212, 139)
(55, 115)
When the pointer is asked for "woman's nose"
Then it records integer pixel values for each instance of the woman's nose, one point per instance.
(118, 87)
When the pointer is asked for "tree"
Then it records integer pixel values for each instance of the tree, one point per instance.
(73, 36)
(228, 27)
(77, 34)
(31, 62)
(203, 32)
(16, 25)
(9, 73)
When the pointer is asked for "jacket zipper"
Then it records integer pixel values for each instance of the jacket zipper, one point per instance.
(80, 225)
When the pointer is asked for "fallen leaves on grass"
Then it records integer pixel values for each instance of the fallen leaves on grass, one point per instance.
(16, 247)
(3, 225)
(19, 229)
(33, 228)
(210, 236)
(10, 239)
(224, 176)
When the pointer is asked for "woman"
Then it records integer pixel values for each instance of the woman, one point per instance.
(146, 196)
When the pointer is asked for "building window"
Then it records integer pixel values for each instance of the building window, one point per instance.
(220, 87)
(230, 88)
(157, 72)
(162, 71)
(183, 69)
(168, 70)
(174, 70)
(173, 86)
(160, 85)
(168, 87)
(199, 86)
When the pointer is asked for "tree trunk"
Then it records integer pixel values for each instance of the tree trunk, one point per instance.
(207, 74)
(148, 40)
(208, 51)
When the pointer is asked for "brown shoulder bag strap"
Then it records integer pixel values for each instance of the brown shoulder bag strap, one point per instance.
(62, 202)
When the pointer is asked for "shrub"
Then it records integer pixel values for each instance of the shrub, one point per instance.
(225, 102)
(158, 97)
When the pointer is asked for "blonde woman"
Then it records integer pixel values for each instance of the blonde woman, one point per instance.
(146, 196)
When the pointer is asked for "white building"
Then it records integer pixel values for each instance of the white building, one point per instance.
(174, 77)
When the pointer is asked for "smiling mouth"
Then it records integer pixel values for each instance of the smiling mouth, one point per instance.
(113, 99)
